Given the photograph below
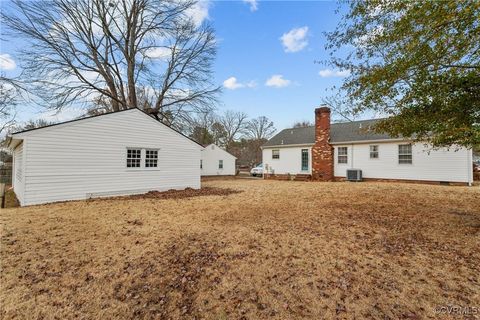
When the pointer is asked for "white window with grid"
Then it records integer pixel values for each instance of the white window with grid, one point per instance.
(151, 158)
(374, 152)
(134, 157)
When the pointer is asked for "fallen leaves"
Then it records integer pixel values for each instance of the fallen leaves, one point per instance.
(245, 249)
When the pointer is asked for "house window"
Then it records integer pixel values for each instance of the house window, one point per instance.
(151, 158)
(304, 159)
(342, 155)
(201, 164)
(133, 158)
(405, 154)
(374, 152)
(220, 164)
(275, 154)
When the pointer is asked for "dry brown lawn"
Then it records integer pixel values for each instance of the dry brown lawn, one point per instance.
(280, 250)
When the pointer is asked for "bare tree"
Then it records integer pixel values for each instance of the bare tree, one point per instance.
(200, 130)
(302, 124)
(115, 50)
(340, 107)
(260, 128)
(32, 124)
(234, 124)
(8, 101)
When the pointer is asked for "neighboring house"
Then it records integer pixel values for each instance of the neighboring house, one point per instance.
(325, 152)
(216, 162)
(121, 153)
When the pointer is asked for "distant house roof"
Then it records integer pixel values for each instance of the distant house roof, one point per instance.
(213, 146)
(339, 132)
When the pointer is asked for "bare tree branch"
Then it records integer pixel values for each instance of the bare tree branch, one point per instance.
(111, 51)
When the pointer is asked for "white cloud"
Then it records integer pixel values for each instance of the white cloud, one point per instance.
(199, 12)
(232, 84)
(329, 73)
(159, 53)
(253, 4)
(6, 62)
(65, 114)
(295, 40)
(277, 81)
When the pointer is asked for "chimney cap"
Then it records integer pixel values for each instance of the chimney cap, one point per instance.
(322, 110)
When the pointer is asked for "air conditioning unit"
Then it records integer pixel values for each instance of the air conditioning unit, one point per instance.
(354, 175)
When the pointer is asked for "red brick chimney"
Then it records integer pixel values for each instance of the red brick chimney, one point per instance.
(322, 151)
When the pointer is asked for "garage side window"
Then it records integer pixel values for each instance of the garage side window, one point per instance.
(220, 164)
(151, 158)
(342, 155)
(133, 158)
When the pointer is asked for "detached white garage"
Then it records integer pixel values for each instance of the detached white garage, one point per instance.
(121, 153)
(217, 162)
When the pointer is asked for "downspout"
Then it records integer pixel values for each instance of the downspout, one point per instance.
(352, 166)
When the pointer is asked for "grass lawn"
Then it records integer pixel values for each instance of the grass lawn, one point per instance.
(282, 250)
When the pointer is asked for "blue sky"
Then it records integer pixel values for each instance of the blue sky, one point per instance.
(266, 57)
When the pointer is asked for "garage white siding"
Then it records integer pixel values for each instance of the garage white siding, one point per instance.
(290, 161)
(211, 157)
(17, 174)
(427, 164)
(87, 158)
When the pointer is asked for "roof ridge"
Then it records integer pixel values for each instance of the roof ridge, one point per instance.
(346, 122)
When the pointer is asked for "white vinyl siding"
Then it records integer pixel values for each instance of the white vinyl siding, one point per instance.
(431, 165)
(18, 172)
(87, 158)
(289, 162)
(210, 163)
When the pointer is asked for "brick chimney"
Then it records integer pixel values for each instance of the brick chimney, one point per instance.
(322, 151)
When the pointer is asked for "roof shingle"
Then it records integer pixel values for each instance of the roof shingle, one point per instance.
(339, 132)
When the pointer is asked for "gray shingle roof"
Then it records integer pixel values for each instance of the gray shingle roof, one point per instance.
(339, 132)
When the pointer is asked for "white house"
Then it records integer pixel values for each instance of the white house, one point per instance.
(121, 153)
(325, 152)
(216, 162)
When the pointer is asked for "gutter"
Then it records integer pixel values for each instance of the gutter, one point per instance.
(368, 141)
(288, 145)
(334, 143)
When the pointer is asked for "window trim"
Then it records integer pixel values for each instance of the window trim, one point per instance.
(220, 164)
(277, 155)
(373, 152)
(405, 154)
(341, 156)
